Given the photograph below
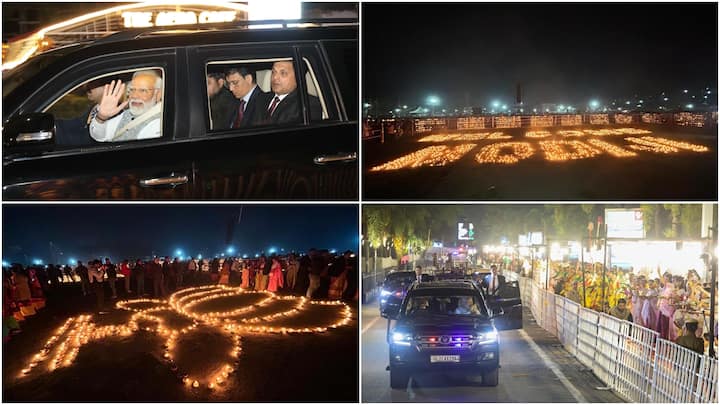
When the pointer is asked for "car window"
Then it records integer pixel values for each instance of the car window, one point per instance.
(114, 107)
(262, 92)
(343, 58)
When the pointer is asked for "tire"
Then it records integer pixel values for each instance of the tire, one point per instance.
(490, 378)
(398, 379)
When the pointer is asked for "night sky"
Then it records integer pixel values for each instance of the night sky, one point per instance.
(561, 53)
(119, 231)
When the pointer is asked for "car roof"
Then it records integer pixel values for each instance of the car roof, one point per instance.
(168, 38)
(440, 285)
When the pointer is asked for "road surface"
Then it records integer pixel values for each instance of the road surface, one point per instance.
(534, 368)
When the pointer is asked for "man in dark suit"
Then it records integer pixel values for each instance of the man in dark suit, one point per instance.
(222, 103)
(493, 281)
(284, 105)
(251, 99)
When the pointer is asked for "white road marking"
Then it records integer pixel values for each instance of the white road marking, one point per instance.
(369, 325)
(553, 367)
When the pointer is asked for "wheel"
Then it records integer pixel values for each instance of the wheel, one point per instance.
(490, 378)
(398, 379)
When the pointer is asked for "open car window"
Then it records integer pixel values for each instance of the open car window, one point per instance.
(138, 112)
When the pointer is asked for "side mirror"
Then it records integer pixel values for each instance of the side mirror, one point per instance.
(29, 132)
(390, 312)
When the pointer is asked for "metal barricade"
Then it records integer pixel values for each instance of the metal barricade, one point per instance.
(549, 321)
(677, 372)
(570, 325)
(560, 324)
(611, 335)
(635, 368)
(587, 336)
(536, 303)
(707, 381)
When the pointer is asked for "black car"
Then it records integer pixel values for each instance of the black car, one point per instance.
(50, 151)
(395, 286)
(449, 327)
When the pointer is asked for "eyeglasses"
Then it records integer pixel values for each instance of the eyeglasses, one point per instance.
(233, 83)
(140, 90)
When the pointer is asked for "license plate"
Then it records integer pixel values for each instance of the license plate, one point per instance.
(445, 359)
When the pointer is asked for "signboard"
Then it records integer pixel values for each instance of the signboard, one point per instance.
(428, 124)
(139, 19)
(624, 223)
(466, 231)
(471, 123)
(530, 238)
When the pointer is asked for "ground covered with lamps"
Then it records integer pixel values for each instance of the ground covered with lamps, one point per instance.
(618, 162)
(202, 343)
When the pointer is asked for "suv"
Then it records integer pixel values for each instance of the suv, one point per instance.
(394, 288)
(49, 152)
(449, 327)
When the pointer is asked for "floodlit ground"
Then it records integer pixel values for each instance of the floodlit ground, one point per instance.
(236, 346)
(620, 162)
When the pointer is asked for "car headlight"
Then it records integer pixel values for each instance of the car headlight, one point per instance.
(402, 338)
(486, 337)
(384, 293)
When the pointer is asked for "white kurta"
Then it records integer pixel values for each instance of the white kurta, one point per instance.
(105, 132)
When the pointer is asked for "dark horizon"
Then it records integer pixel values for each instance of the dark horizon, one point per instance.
(475, 53)
(137, 231)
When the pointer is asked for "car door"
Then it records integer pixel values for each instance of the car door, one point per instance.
(159, 168)
(508, 303)
(314, 158)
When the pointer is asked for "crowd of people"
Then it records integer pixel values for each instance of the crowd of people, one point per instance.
(674, 306)
(318, 274)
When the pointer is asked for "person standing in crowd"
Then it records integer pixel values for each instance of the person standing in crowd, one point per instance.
(22, 284)
(292, 271)
(621, 311)
(225, 273)
(638, 300)
(235, 270)
(245, 284)
(178, 269)
(82, 271)
(97, 276)
(649, 311)
(302, 281)
(68, 272)
(215, 271)
(315, 272)
(351, 292)
(156, 274)
(192, 268)
(111, 271)
(139, 275)
(125, 271)
(689, 340)
(666, 309)
(275, 277)
(338, 278)
(168, 276)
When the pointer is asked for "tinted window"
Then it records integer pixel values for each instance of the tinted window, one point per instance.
(343, 57)
(443, 304)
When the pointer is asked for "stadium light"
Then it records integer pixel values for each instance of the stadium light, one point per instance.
(178, 252)
(685, 91)
(37, 262)
(5, 264)
(594, 104)
(433, 100)
(230, 250)
(689, 106)
(495, 104)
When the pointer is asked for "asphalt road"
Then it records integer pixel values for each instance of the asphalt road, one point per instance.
(686, 175)
(525, 374)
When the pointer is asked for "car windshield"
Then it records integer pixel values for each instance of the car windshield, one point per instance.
(396, 283)
(446, 304)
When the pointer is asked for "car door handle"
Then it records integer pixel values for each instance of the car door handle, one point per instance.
(340, 157)
(171, 180)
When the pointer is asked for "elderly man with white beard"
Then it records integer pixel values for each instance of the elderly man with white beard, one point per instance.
(141, 120)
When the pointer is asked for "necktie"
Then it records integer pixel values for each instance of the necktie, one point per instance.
(240, 113)
(274, 104)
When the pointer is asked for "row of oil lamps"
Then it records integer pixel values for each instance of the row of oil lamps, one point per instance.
(81, 330)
